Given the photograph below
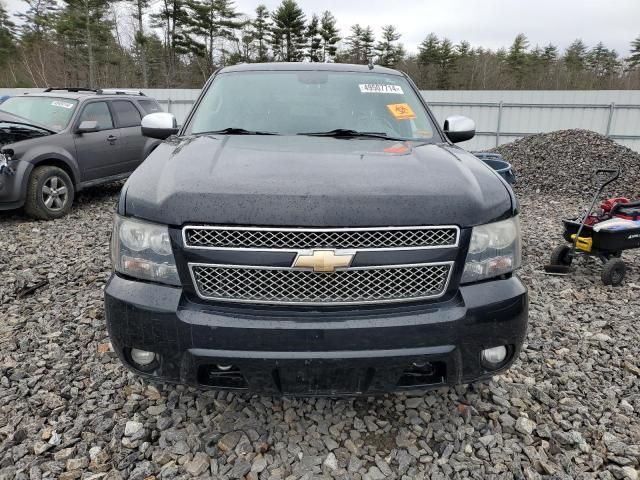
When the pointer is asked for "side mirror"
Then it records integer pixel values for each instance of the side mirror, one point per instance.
(87, 126)
(459, 129)
(159, 125)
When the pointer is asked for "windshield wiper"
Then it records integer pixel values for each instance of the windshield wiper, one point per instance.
(348, 133)
(235, 131)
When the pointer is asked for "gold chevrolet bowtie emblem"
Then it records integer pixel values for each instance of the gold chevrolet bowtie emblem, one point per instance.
(323, 260)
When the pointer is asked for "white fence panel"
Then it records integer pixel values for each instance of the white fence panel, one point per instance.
(503, 116)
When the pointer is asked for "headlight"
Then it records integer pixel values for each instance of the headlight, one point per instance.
(143, 250)
(494, 250)
(5, 167)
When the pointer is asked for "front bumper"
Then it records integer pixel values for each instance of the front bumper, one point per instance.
(306, 351)
(13, 188)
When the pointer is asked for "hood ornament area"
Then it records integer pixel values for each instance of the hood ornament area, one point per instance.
(323, 261)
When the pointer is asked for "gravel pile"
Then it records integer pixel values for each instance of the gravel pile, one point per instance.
(569, 408)
(562, 163)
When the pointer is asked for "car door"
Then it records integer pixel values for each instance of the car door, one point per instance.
(128, 119)
(98, 152)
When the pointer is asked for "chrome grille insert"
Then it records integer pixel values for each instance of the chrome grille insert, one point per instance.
(352, 286)
(215, 237)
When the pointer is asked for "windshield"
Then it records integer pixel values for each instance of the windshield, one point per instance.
(302, 102)
(50, 112)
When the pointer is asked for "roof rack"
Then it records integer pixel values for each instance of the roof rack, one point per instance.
(111, 91)
(99, 91)
(70, 89)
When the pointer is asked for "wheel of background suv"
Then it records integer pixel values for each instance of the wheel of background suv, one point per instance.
(49, 193)
(613, 273)
(560, 255)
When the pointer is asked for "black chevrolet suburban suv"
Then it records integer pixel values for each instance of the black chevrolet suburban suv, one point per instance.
(311, 230)
(57, 142)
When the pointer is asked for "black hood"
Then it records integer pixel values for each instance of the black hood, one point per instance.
(15, 129)
(311, 181)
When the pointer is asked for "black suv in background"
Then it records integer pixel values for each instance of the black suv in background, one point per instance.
(311, 230)
(55, 143)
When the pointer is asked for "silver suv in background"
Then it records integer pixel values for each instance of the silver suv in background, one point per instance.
(57, 142)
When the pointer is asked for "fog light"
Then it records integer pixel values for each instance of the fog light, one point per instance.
(493, 357)
(142, 357)
(224, 368)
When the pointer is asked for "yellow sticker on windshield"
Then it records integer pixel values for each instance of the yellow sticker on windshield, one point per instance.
(401, 111)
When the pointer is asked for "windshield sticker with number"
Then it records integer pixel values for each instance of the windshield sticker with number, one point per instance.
(57, 103)
(380, 88)
(401, 111)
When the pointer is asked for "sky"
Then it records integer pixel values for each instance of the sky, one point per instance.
(488, 23)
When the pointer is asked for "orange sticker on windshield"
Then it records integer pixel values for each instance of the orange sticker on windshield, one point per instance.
(401, 111)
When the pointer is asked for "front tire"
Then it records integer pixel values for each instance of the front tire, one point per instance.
(50, 193)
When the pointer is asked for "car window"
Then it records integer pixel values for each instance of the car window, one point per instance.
(126, 113)
(97, 112)
(51, 112)
(293, 102)
(150, 106)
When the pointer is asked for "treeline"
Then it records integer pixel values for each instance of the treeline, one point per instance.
(179, 43)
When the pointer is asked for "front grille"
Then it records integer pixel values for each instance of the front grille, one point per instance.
(353, 286)
(291, 239)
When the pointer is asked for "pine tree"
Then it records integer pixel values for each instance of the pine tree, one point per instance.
(330, 38)
(140, 38)
(501, 55)
(549, 53)
(429, 50)
(367, 40)
(314, 40)
(86, 26)
(575, 56)
(261, 28)
(388, 51)
(155, 60)
(360, 44)
(288, 31)
(602, 61)
(535, 55)
(517, 58)
(634, 59)
(244, 40)
(354, 44)
(39, 19)
(7, 38)
(446, 63)
(463, 49)
(575, 62)
(464, 66)
(209, 21)
(172, 18)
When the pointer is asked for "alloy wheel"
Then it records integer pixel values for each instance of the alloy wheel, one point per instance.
(54, 193)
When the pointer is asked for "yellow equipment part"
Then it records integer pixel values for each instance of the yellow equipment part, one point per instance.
(584, 243)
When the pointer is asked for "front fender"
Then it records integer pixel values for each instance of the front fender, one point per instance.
(13, 184)
(39, 154)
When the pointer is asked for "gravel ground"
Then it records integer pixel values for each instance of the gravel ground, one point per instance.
(567, 409)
